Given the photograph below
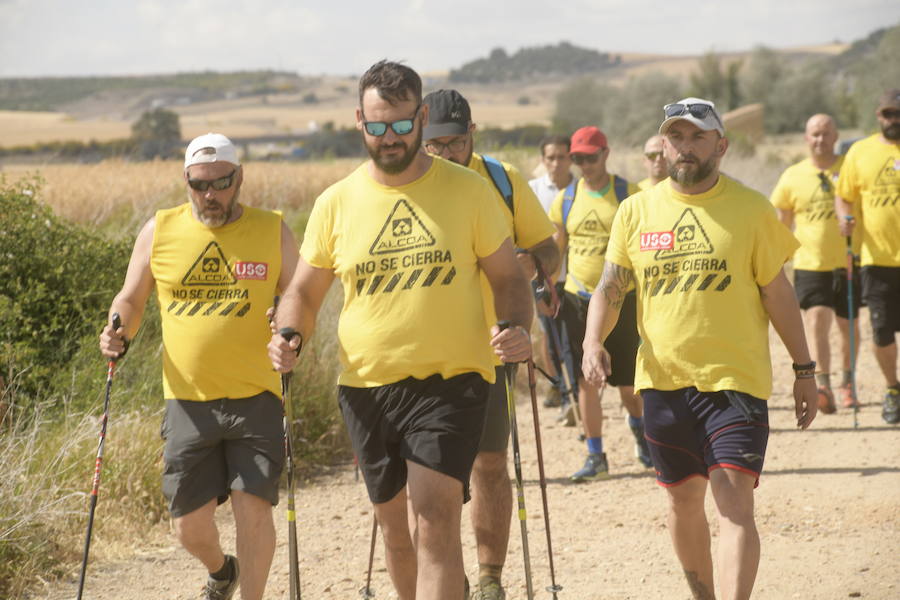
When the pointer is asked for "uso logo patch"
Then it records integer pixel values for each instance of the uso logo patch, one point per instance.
(657, 240)
(251, 270)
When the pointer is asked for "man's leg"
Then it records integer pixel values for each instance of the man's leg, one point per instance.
(199, 535)
(255, 537)
(818, 322)
(595, 467)
(491, 509)
(689, 531)
(887, 362)
(635, 408)
(738, 559)
(437, 504)
(848, 363)
(399, 551)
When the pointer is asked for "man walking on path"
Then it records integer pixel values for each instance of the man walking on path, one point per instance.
(583, 214)
(804, 199)
(409, 236)
(705, 254)
(870, 180)
(217, 266)
(654, 163)
(449, 134)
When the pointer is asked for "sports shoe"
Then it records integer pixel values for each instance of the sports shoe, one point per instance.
(566, 415)
(490, 589)
(223, 590)
(848, 400)
(595, 467)
(553, 399)
(890, 411)
(826, 401)
(641, 449)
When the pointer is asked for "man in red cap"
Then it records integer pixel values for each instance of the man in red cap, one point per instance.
(583, 214)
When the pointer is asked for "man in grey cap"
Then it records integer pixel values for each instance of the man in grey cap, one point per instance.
(705, 255)
(871, 179)
(216, 266)
(449, 134)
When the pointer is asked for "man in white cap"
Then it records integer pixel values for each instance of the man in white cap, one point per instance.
(705, 255)
(217, 266)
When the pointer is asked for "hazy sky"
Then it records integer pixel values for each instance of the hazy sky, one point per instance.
(61, 37)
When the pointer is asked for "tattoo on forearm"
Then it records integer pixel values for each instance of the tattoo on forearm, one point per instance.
(614, 283)
(698, 589)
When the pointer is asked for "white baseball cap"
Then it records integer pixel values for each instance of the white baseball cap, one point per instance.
(223, 150)
(698, 111)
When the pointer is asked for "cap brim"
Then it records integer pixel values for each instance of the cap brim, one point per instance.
(441, 129)
(700, 123)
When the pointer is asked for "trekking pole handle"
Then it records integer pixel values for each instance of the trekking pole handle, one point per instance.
(116, 324)
(289, 333)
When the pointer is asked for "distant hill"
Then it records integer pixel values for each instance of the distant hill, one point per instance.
(526, 63)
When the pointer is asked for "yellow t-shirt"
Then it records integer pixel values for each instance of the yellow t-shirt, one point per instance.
(698, 262)
(529, 226)
(801, 190)
(407, 259)
(871, 177)
(646, 184)
(587, 227)
(214, 286)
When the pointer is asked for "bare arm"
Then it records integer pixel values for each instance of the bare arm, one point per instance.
(289, 256)
(512, 302)
(786, 217)
(844, 212)
(544, 251)
(299, 306)
(562, 241)
(603, 313)
(131, 300)
(780, 302)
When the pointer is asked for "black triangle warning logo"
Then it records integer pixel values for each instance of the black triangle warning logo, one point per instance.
(690, 238)
(889, 174)
(402, 231)
(591, 225)
(210, 268)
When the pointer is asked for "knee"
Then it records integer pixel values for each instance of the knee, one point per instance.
(489, 465)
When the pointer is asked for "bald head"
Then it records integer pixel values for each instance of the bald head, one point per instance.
(821, 134)
(654, 162)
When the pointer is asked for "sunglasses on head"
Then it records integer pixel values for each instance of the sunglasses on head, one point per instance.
(890, 113)
(585, 158)
(698, 111)
(401, 127)
(222, 183)
(652, 155)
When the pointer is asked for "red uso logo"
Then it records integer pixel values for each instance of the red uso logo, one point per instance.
(657, 240)
(251, 270)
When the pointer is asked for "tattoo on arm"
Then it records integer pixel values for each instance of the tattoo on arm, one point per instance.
(615, 282)
(698, 588)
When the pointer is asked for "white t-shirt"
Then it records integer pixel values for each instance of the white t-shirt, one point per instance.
(545, 190)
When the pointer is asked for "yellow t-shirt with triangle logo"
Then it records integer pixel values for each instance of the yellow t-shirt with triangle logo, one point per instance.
(587, 227)
(214, 286)
(808, 192)
(870, 178)
(407, 258)
(698, 262)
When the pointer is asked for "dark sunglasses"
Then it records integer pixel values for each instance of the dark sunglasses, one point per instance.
(824, 183)
(436, 147)
(222, 183)
(698, 111)
(652, 155)
(401, 127)
(890, 113)
(585, 158)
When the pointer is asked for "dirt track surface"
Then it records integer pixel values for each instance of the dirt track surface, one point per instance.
(828, 511)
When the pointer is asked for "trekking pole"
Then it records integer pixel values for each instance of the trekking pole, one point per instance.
(95, 486)
(293, 557)
(553, 588)
(366, 591)
(852, 325)
(510, 374)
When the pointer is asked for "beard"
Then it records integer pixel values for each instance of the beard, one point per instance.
(213, 213)
(394, 165)
(891, 132)
(688, 170)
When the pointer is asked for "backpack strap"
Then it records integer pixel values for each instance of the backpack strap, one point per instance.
(500, 178)
(568, 199)
(621, 188)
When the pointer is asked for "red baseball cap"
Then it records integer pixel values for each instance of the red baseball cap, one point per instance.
(587, 140)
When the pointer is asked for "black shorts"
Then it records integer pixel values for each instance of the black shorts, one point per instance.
(434, 422)
(495, 437)
(827, 288)
(215, 446)
(881, 292)
(622, 343)
(691, 433)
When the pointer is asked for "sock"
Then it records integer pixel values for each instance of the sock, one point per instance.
(595, 445)
(895, 387)
(225, 573)
(635, 422)
(823, 380)
(847, 377)
(489, 572)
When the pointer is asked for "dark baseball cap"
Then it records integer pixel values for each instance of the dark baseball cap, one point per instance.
(448, 114)
(889, 99)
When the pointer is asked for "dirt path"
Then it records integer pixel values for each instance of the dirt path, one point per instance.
(828, 510)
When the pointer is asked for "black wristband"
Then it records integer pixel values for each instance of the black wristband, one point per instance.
(811, 365)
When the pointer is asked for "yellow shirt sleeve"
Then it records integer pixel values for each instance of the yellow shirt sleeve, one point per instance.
(317, 247)
(773, 246)
(531, 223)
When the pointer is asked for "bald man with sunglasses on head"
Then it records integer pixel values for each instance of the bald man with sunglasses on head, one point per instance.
(654, 163)
(217, 266)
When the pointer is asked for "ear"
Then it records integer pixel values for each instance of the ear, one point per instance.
(359, 119)
(472, 127)
(424, 112)
(240, 175)
(722, 146)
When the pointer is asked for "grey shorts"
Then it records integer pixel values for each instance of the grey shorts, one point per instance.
(216, 446)
(495, 436)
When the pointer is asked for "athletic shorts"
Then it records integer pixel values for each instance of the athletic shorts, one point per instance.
(827, 288)
(881, 292)
(622, 343)
(434, 422)
(691, 433)
(215, 446)
(495, 437)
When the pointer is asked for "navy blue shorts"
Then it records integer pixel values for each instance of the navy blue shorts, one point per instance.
(691, 433)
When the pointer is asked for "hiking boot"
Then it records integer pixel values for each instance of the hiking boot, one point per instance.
(890, 411)
(848, 400)
(566, 415)
(490, 589)
(553, 399)
(217, 589)
(641, 449)
(595, 467)
(826, 401)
